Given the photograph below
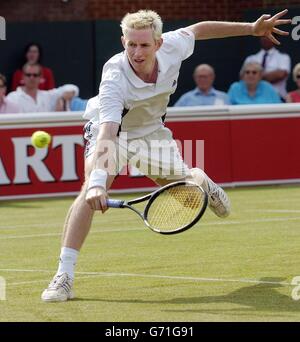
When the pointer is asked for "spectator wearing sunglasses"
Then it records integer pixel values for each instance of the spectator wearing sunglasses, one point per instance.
(6, 106)
(31, 99)
(33, 54)
(251, 89)
(294, 96)
(276, 65)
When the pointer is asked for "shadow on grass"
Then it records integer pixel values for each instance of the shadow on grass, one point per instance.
(34, 202)
(260, 297)
(20, 205)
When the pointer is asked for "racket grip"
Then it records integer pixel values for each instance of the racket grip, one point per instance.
(112, 203)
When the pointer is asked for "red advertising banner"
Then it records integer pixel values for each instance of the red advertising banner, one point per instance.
(235, 146)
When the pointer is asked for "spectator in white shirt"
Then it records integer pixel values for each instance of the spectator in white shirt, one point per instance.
(32, 100)
(6, 106)
(276, 65)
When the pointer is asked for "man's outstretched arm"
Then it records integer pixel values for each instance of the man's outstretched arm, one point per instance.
(263, 26)
(103, 166)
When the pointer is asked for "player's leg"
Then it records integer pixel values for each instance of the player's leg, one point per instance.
(172, 168)
(218, 201)
(76, 228)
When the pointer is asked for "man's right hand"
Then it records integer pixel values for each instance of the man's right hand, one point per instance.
(96, 198)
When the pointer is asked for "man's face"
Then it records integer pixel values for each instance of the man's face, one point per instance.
(266, 43)
(252, 75)
(204, 78)
(32, 76)
(141, 47)
(2, 89)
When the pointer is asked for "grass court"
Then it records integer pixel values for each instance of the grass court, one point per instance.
(234, 269)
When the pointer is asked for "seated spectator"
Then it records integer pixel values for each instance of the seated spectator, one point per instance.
(276, 65)
(251, 89)
(204, 94)
(33, 55)
(6, 106)
(294, 96)
(78, 104)
(69, 102)
(31, 99)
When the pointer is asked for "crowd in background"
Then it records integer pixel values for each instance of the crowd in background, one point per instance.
(33, 88)
(262, 80)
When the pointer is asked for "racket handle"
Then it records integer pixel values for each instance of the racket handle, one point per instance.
(112, 203)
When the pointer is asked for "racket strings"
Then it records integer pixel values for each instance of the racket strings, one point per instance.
(175, 207)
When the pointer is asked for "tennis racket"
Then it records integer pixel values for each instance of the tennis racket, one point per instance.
(171, 209)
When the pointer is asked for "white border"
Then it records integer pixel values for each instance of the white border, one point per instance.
(174, 114)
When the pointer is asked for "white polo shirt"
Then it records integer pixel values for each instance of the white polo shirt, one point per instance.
(45, 99)
(145, 103)
(276, 60)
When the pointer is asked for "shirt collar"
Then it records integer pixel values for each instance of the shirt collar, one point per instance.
(212, 91)
(22, 92)
(270, 52)
(137, 82)
(258, 89)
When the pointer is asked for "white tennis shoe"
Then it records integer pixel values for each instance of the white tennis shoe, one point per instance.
(59, 290)
(218, 201)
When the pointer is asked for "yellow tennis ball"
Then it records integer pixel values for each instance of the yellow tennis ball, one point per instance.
(40, 139)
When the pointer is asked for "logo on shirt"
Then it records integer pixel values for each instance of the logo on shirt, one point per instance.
(174, 83)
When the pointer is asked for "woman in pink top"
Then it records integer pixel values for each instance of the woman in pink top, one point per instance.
(6, 106)
(294, 96)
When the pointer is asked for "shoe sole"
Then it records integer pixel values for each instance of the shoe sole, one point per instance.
(58, 299)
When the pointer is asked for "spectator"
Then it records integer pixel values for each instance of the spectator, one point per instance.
(78, 104)
(276, 65)
(33, 55)
(251, 89)
(6, 106)
(294, 96)
(31, 99)
(69, 102)
(204, 94)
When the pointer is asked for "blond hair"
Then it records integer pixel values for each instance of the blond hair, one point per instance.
(143, 19)
(245, 65)
(296, 71)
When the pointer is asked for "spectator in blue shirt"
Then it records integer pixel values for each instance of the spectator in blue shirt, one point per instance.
(251, 89)
(70, 102)
(204, 94)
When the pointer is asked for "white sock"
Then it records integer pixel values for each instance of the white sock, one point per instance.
(67, 261)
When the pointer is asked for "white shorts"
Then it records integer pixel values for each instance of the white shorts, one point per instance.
(156, 155)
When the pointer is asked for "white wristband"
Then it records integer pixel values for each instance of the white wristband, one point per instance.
(98, 177)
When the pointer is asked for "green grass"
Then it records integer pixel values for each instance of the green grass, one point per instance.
(237, 269)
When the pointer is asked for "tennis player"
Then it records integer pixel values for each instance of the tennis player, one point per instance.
(127, 116)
